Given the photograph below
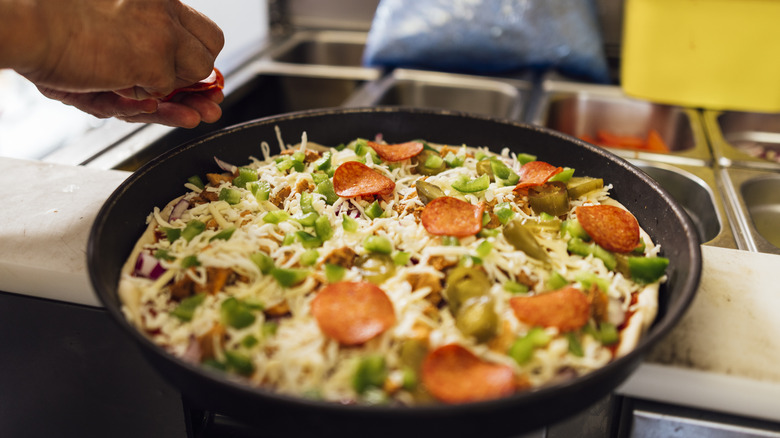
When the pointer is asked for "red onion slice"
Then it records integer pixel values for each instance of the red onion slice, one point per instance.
(147, 266)
(179, 209)
(227, 167)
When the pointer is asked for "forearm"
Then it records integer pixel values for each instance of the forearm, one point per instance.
(22, 38)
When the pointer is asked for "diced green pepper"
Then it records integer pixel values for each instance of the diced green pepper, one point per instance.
(299, 156)
(608, 333)
(308, 240)
(309, 257)
(514, 287)
(196, 181)
(348, 224)
(307, 219)
(323, 228)
(239, 363)
(249, 341)
(236, 313)
(319, 177)
(225, 234)
(285, 164)
(563, 176)
(523, 348)
(289, 277)
(556, 281)
(186, 308)
(269, 328)
(504, 212)
(378, 244)
(231, 196)
(324, 162)
(190, 261)
(263, 261)
(484, 249)
(245, 175)
(260, 189)
(577, 246)
(464, 185)
(646, 270)
(306, 203)
(325, 188)
(573, 228)
(334, 273)
(162, 254)
(371, 372)
(525, 158)
(172, 234)
(401, 258)
(193, 228)
(275, 217)
(575, 347)
(587, 279)
(454, 160)
(374, 210)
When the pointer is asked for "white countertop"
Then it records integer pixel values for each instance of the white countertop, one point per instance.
(723, 355)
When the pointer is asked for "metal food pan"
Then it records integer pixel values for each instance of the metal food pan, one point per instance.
(696, 189)
(755, 199)
(496, 97)
(733, 134)
(582, 110)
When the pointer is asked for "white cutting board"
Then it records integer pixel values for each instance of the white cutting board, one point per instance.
(46, 211)
(724, 354)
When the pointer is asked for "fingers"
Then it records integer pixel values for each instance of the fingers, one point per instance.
(188, 111)
(200, 42)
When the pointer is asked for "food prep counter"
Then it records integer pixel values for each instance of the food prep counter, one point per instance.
(731, 197)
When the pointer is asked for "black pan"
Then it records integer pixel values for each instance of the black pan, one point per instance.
(122, 220)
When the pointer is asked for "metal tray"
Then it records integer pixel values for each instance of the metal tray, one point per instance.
(496, 97)
(696, 189)
(730, 132)
(581, 109)
(754, 196)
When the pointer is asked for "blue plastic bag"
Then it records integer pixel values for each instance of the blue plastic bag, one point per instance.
(488, 37)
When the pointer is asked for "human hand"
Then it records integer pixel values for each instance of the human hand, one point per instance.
(185, 110)
(143, 48)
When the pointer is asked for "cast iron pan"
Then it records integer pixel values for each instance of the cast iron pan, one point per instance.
(122, 220)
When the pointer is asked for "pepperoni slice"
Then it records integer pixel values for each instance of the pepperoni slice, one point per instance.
(354, 178)
(453, 374)
(612, 227)
(567, 309)
(397, 152)
(448, 216)
(214, 80)
(352, 312)
(536, 173)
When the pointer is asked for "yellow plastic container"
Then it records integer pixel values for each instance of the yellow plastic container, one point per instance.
(717, 54)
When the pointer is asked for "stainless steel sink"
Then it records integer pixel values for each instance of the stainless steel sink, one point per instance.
(695, 189)
(585, 109)
(331, 48)
(755, 199)
(744, 139)
(505, 98)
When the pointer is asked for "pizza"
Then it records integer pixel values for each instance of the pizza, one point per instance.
(394, 273)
